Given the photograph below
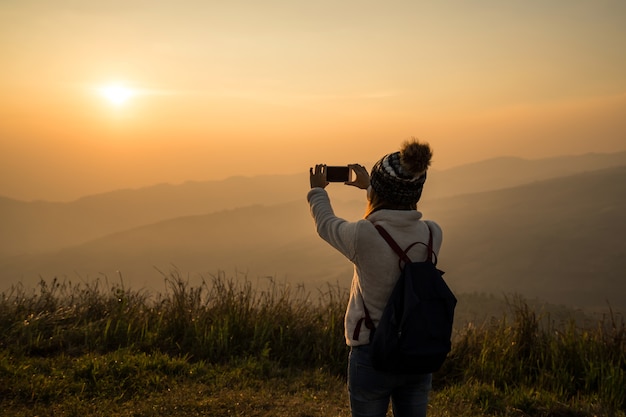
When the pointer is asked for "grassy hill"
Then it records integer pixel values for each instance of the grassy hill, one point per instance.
(226, 348)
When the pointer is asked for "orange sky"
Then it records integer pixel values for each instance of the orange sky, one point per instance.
(270, 87)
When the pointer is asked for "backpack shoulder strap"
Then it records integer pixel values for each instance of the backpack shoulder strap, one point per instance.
(403, 253)
(431, 252)
(394, 245)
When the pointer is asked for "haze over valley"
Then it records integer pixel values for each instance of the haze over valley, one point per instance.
(550, 228)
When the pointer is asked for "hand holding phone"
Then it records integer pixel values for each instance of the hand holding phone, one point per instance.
(318, 176)
(353, 174)
(360, 178)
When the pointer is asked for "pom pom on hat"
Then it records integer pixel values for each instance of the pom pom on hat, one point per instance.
(415, 157)
(399, 177)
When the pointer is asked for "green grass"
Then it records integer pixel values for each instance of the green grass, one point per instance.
(225, 347)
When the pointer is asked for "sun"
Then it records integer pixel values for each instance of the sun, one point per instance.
(117, 94)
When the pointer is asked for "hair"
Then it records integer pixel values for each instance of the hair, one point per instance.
(415, 158)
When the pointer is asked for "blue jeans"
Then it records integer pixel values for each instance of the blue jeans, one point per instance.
(370, 390)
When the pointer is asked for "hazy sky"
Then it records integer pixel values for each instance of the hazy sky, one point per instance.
(210, 89)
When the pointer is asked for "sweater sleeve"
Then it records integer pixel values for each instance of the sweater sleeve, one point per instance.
(339, 233)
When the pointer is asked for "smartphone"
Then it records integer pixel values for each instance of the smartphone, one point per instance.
(337, 173)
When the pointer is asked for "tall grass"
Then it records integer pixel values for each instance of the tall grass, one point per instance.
(520, 358)
(527, 352)
(217, 321)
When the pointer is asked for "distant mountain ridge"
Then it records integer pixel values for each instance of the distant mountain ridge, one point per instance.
(559, 239)
(506, 172)
(39, 226)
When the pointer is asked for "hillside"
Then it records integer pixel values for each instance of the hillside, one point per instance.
(30, 227)
(35, 227)
(560, 240)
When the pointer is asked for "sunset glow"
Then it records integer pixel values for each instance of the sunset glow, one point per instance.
(251, 88)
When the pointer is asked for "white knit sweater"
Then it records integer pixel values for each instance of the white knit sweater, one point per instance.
(376, 266)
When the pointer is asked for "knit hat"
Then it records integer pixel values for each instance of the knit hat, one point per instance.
(399, 177)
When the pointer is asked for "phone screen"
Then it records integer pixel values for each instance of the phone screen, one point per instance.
(337, 173)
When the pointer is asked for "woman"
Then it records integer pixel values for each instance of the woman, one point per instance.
(393, 190)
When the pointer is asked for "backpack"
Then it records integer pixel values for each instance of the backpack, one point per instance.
(415, 330)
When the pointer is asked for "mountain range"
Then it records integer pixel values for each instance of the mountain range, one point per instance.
(550, 228)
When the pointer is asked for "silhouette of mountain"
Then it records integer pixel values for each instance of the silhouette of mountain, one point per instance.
(33, 227)
(30, 227)
(506, 172)
(560, 240)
